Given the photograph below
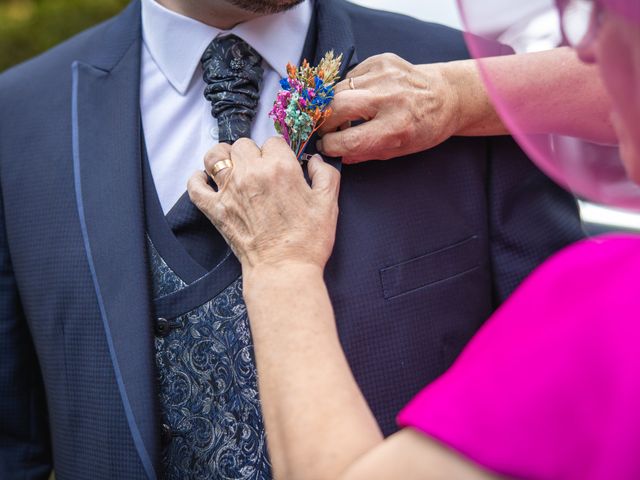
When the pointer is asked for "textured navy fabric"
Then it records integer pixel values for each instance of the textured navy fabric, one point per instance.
(196, 233)
(75, 291)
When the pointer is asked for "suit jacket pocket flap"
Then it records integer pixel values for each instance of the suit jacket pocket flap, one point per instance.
(431, 268)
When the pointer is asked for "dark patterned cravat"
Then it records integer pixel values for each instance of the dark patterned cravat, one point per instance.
(233, 74)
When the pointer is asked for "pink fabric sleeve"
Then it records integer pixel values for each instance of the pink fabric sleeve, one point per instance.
(550, 386)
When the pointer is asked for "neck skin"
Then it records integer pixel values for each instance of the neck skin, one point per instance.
(216, 13)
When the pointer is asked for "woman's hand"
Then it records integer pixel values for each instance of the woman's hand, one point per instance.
(265, 209)
(410, 108)
(406, 109)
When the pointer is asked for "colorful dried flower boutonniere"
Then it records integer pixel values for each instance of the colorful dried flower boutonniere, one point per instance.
(303, 103)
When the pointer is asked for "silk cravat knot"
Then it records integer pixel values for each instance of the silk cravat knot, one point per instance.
(233, 74)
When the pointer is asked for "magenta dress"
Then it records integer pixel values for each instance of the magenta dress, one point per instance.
(550, 386)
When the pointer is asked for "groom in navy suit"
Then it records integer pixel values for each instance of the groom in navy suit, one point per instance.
(124, 343)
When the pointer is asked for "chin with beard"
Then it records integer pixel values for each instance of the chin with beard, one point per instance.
(265, 7)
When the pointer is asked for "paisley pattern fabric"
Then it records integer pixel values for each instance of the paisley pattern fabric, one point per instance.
(208, 387)
(165, 281)
(233, 74)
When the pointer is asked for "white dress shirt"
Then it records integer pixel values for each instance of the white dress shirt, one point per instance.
(176, 118)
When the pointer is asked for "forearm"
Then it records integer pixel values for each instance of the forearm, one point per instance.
(475, 114)
(317, 421)
(547, 92)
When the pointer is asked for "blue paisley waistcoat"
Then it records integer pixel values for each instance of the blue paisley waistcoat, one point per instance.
(210, 409)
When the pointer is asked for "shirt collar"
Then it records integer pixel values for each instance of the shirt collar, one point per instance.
(177, 42)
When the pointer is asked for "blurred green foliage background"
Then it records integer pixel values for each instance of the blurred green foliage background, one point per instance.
(28, 27)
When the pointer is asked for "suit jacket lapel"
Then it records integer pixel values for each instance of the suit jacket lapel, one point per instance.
(108, 181)
(334, 31)
(330, 29)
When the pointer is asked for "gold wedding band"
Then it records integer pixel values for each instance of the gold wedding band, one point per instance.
(220, 166)
(352, 83)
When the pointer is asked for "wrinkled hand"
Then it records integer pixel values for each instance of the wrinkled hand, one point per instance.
(265, 209)
(405, 108)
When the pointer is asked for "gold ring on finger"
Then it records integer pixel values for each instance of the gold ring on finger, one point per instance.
(220, 166)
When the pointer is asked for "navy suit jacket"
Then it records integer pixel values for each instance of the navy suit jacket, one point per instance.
(428, 245)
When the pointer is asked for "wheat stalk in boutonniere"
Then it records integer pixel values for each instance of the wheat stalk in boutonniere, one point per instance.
(303, 103)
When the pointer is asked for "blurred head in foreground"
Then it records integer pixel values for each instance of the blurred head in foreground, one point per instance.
(611, 39)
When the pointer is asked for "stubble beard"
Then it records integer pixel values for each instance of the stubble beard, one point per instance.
(265, 7)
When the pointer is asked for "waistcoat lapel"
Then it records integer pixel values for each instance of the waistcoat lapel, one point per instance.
(108, 182)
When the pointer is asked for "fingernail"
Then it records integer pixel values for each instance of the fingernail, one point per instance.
(317, 157)
(319, 146)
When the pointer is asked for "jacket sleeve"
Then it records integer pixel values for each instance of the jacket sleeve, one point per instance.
(531, 217)
(25, 451)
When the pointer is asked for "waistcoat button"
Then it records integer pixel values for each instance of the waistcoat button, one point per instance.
(162, 327)
(166, 433)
